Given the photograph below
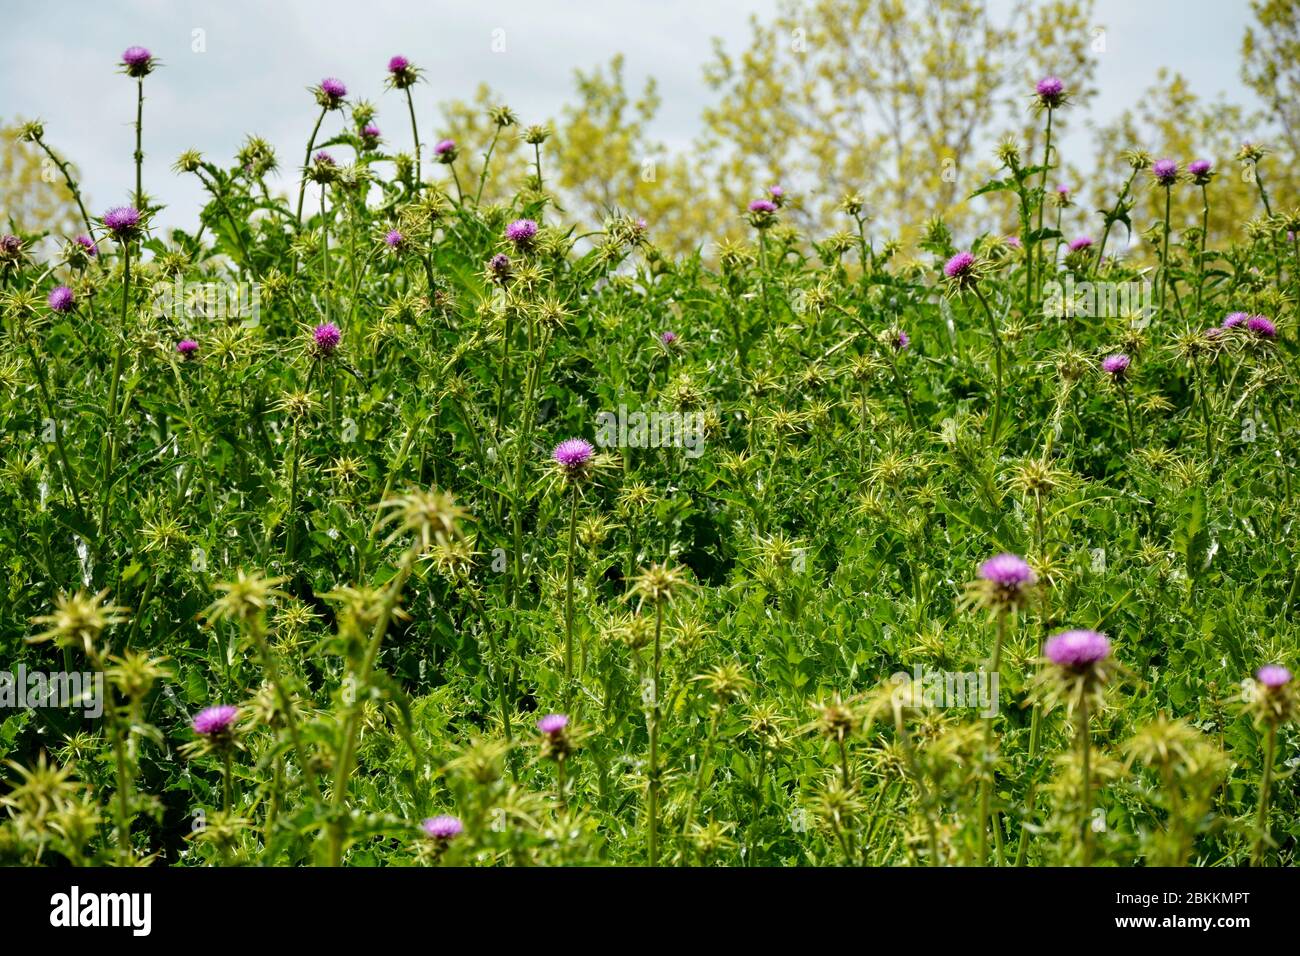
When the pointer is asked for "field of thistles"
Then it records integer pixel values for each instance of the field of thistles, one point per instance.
(377, 524)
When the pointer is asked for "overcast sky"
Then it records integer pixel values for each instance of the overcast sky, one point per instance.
(58, 62)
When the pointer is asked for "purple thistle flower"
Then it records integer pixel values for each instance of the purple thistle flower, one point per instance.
(394, 239)
(1076, 650)
(187, 348)
(762, 206)
(1213, 332)
(445, 151)
(443, 828)
(333, 88)
(668, 337)
(87, 244)
(521, 232)
(1262, 327)
(1083, 242)
(324, 158)
(1200, 171)
(961, 266)
(1115, 365)
(1012, 241)
(123, 222)
(553, 724)
(1165, 171)
(1234, 319)
(10, 246)
(1051, 91)
(61, 299)
(398, 64)
(370, 133)
(499, 266)
(901, 340)
(1273, 676)
(325, 339)
(215, 721)
(1008, 571)
(573, 454)
(138, 61)
(1063, 189)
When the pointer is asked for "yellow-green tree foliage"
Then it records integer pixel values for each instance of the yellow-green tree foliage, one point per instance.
(1170, 120)
(33, 196)
(897, 100)
(1270, 54)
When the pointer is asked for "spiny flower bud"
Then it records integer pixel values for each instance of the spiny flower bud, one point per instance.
(330, 93)
(137, 62)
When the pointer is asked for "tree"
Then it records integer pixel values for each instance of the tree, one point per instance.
(898, 101)
(1270, 55)
(34, 198)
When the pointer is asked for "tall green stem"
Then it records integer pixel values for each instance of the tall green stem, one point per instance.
(1265, 784)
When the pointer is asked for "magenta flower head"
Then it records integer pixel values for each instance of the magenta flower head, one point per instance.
(498, 267)
(11, 246)
(323, 168)
(556, 744)
(213, 722)
(1004, 584)
(777, 194)
(1050, 92)
(522, 232)
(1234, 319)
(573, 458)
(900, 340)
(370, 135)
(1007, 570)
(668, 338)
(123, 222)
(330, 93)
(1273, 676)
(443, 829)
(1165, 171)
(87, 245)
(1201, 171)
(1116, 366)
(402, 73)
(445, 150)
(187, 349)
(1261, 327)
(1013, 242)
(61, 299)
(553, 724)
(137, 61)
(394, 240)
(962, 270)
(762, 213)
(1077, 650)
(325, 339)
(1278, 703)
(1083, 242)
(1213, 332)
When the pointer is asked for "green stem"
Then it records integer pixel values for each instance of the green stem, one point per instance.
(568, 598)
(139, 150)
(653, 771)
(1261, 815)
(311, 143)
(997, 355)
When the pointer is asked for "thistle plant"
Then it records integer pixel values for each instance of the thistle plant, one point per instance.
(1078, 669)
(657, 585)
(1273, 705)
(1003, 588)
